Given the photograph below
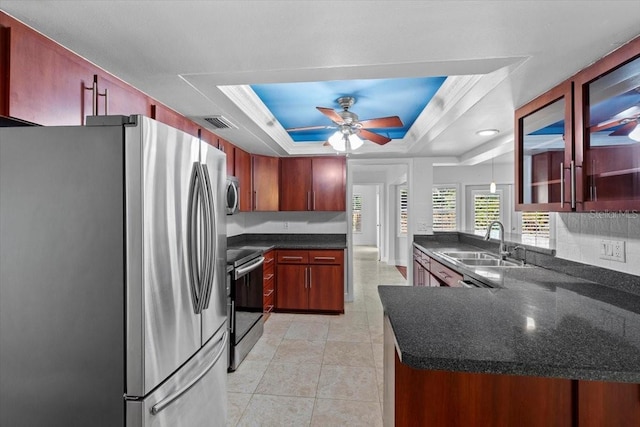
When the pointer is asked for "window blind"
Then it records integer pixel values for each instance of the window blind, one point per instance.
(486, 208)
(535, 225)
(356, 213)
(444, 208)
(404, 202)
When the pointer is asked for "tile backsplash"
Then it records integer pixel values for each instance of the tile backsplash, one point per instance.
(578, 237)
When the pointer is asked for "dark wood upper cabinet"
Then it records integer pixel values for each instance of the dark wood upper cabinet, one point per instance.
(265, 183)
(574, 145)
(242, 169)
(313, 184)
(607, 126)
(295, 184)
(230, 150)
(544, 151)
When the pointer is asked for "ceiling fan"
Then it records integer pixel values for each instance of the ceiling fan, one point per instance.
(626, 122)
(351, 130)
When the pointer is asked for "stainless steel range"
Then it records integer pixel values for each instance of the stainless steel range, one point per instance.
(245, 303)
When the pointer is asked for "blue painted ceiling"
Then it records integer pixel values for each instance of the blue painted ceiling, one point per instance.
(294, 104)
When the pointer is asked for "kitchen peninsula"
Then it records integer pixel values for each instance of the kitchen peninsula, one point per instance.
(540, 348)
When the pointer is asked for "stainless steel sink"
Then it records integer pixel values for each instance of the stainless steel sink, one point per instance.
(482, 259)
(470, 255)
(491, 262)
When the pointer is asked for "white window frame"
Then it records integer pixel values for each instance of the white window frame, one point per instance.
(353, 210)
(505, 203)
(399, 190)
(456, 187)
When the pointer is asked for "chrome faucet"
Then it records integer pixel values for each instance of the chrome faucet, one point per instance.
(524, 253)
(503, 248)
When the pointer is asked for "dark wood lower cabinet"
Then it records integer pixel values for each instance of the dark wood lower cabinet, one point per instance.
(419, 397)
(608, 404)
(445, 398)
(310, 281)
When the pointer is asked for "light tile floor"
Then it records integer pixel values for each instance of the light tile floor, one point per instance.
(318, 370)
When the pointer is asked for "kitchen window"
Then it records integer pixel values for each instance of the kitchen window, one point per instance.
(356, 213)
(486, 208)
(444, 208)
(535, 228)
(403, 197)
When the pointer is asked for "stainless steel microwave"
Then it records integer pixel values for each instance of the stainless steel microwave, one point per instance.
(232, 195)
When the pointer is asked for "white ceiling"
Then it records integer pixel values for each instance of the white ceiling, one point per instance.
(503, 54)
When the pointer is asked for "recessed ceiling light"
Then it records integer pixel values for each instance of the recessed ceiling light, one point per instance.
(487, 132)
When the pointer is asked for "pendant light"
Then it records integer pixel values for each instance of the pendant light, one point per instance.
(492, 186)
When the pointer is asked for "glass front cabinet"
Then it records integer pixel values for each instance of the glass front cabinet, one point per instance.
(578, 145)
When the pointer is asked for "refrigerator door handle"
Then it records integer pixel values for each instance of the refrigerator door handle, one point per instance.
(192, 237)
(206, 224)
(212, 244)
(172, 397)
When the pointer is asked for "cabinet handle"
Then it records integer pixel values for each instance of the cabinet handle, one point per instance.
(572, 170)
(255, 200)
(444, 274)
(292, 258)
(268, 260)
(308, 200)
(268, 277)
(562, 184)
(269, 293)
(306, 284)
(94, 97)
(310, 278)
(324, 258)
(314, 200)
(269, 308)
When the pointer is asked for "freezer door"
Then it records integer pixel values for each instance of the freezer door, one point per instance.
(215, 313)
(163, 331)
(196, 395)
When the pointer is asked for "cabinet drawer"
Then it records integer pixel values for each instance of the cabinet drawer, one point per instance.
(268, 282)
(445, 274)
(293, 257)
(268, 303)
(269, 262)
(326, 257)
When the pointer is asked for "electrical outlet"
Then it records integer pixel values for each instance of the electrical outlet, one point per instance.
(612, 250)
(618, 250)
(286, 225)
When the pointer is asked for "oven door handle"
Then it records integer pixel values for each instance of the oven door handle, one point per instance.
(249, 267)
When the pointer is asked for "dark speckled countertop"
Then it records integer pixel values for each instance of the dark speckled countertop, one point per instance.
(288, 241)
(535, 322)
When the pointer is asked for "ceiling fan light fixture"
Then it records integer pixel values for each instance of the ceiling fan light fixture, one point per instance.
(487, 132)
(355, 142)
(635, 133)
(337, 141)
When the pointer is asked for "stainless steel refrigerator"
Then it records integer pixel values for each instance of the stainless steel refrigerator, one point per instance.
(112, 276)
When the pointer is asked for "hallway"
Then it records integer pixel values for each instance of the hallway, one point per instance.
(318, 370)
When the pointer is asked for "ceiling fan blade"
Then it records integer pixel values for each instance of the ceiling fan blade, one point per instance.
(382, 122)
(373, 137)
(625, 129)
(330, 112)
(307, 128)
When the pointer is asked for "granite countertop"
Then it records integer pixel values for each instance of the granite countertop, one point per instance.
(535, 322)
(266, 242)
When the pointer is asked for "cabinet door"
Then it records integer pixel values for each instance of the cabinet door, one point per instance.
(166, 115)
(608, 132)
(46, 81)
(326, 287)
(328, 182)
(265, 183)
(608, 404)
(291, 288)
(120, 98)
(544, 152)
(229, 149)
(243, 173)
(295, 184)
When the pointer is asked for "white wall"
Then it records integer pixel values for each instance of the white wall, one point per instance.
(578, 238)
(369, 215)
(287, 223)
